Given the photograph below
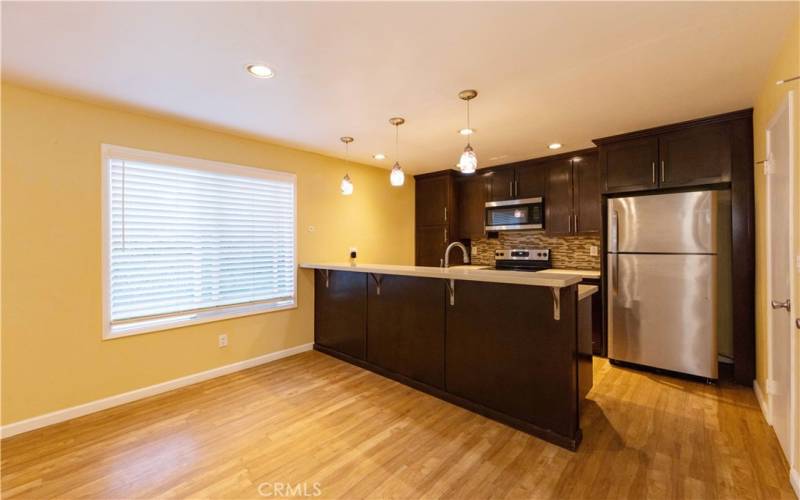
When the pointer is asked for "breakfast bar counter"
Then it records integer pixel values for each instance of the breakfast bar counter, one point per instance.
(466, 273)
(505, 344)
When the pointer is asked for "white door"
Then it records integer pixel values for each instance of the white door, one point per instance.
(779, 272)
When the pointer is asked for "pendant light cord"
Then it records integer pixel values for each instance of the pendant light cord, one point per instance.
(468, 125)
(396, 141)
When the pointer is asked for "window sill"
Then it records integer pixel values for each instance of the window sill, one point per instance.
(150, 326)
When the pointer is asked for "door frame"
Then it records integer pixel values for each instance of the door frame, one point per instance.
(787, 105)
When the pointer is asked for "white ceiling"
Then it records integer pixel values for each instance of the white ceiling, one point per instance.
(546, 72)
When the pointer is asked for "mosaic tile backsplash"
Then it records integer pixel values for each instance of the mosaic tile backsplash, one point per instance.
(567, 252)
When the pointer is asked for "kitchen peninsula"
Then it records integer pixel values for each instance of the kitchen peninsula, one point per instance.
(513, 346)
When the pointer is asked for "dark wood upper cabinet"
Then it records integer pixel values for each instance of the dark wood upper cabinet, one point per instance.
(473, 192)
(700, 155)
(630, 165)
(558, 197)
(587, 195)
(501, 184)
(433, 200)
(531, 181)
(694, 153)
(436, 216)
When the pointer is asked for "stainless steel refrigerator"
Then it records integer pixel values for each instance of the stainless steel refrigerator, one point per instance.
(662, 281)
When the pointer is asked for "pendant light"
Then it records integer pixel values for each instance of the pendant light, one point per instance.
(468, 161)
(397, 178)
(347, 184)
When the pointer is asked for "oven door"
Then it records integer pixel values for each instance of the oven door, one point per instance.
(512, 215)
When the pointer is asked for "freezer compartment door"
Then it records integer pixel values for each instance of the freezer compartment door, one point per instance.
(662, 311)
(663, 223)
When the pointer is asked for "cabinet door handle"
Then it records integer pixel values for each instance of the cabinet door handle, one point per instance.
(510, 189)
(445, 236)
(516, 189)
(662, 170)
(654, 172)
(569, 223)
(445, 214)
(576, 223)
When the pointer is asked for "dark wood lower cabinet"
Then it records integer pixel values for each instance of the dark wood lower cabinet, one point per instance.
(598, 339)
(405, 326)
(585, 374)
(505, 351)
(340, 312)
(496, 350)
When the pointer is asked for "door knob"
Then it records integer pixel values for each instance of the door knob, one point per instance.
(782, 305)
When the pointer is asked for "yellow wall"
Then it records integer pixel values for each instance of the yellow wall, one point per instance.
(52, 353)
(786, 64)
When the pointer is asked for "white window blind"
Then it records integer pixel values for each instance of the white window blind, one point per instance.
(193, 241)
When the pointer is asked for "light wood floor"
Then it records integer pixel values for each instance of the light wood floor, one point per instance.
(313, 419)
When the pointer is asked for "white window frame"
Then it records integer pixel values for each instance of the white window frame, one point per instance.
(109, 152)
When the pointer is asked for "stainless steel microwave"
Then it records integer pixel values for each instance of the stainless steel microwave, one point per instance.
(509, 215)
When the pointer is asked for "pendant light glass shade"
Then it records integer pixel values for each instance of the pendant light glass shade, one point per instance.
(397, 178)
(468, 161)
(347, 185)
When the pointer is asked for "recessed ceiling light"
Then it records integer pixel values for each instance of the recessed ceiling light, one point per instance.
(260, 71)
(554, 145)
(466, 131)
(379, 156)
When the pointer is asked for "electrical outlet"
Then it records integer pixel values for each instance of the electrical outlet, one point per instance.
(222, 341)
(473, 251)
(594, 250)
(311, 229)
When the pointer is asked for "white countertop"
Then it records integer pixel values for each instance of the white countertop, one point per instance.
(584, 273)
(585, 291)
(466, 273)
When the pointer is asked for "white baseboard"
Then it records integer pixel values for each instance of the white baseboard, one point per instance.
(794, 478)
(126, 397)
(762, 402)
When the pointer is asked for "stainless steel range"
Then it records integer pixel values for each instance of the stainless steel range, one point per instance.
(522, 259)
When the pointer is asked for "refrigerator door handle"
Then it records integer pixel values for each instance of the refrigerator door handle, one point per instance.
(614, 243)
